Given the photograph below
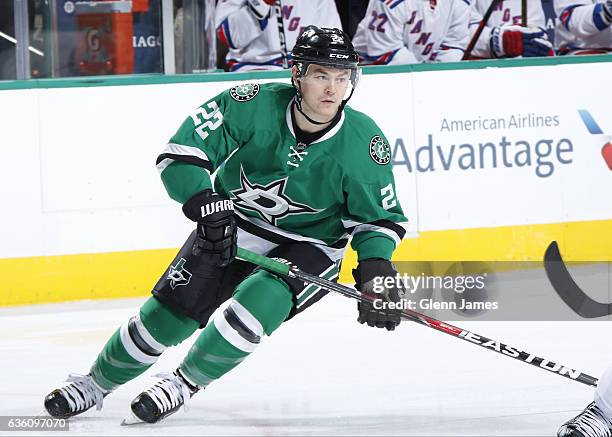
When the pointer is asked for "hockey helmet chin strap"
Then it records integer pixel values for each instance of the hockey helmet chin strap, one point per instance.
(302, 71)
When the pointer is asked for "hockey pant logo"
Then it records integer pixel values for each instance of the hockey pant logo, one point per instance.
(178, 275)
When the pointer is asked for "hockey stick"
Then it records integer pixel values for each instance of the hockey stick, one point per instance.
(493, 345)
(568, 290)
(281, 32)
(524, 13)
(479, 30)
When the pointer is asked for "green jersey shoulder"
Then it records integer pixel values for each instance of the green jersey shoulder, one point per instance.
(368, 149)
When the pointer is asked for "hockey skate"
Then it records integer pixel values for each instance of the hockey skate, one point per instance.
(75, 398)
(161, 400)
(592, 422)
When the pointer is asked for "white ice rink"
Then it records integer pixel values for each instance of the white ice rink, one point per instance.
(319, 374)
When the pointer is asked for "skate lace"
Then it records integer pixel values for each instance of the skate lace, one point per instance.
(82, 393)
(170, 392)
(592, 423)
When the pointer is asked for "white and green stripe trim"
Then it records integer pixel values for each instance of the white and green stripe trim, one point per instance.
(132, 349)
(311, 290)
(179, 149)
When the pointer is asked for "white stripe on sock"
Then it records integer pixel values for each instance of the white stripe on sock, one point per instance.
(131, 347)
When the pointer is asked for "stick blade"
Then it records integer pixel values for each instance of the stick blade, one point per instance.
(567, 289)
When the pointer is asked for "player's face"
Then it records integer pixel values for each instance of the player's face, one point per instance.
(323, 89)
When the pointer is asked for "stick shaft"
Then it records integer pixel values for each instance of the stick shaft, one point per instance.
(478, 340)
(481, 26)
(278, 11)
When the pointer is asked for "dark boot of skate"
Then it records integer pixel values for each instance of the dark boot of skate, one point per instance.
(75, 398)
(163, 399)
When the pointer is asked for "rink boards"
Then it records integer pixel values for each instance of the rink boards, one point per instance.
(490, 164)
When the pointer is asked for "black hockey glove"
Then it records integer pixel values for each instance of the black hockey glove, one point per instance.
(364, 276)
(217, 234)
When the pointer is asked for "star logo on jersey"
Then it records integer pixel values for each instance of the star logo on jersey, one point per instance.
(178, 275)
(380, 151)
(244, 92)
(270, 200)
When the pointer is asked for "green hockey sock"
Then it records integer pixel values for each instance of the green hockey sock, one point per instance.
(139, 342)
(261, 303)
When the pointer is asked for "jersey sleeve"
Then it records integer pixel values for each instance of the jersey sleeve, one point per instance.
(236, 25)
(582, 19)
(373, 214)
(379, 36)
(454, 43)
(202, 143)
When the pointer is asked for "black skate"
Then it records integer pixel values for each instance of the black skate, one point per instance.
(77, 397)
(161, 400)
(592, 422)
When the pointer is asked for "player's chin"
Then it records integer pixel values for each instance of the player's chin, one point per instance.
(328, 109)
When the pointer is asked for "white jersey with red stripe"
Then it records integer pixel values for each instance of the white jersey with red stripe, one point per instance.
(581, 28)
(413, 31)
(254, 44)
(506, 12)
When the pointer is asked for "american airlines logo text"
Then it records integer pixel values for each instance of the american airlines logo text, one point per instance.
(543, 155)
(221, 205)
(339, 56)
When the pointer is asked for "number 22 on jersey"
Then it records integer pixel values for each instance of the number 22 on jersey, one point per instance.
(207, 121)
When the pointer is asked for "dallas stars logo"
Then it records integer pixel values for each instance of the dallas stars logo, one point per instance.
(270, 200)
(380, 151)
(244, 92)
(178, 275)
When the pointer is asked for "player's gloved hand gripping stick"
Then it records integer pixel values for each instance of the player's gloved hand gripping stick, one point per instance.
(365, 274)
(493, 345)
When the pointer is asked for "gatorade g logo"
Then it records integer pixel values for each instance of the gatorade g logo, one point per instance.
(380, 152)
(93, 40)
(178, 275)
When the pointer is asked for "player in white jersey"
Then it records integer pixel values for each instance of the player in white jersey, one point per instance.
(412, 31)
(504, 36)
(584, 27)
(596, 419)
(250, 31)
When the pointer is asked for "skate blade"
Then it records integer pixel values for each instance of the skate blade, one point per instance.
(131, 420)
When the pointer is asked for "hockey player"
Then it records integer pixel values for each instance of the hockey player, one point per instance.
(584, 27)
(596, 419)
(504, 36)
(414, 31)
(249, 29)
(301, 173)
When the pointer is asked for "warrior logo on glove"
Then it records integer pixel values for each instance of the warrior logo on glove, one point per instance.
(218, 206)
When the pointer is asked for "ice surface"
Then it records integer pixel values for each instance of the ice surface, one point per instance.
(319, 374)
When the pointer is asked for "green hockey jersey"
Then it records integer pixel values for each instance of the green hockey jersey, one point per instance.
(283, 190)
